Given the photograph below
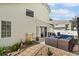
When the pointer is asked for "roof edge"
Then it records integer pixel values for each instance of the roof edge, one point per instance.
(46, 5)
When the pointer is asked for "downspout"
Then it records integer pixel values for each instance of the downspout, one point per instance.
(36, 26)
(37, 38)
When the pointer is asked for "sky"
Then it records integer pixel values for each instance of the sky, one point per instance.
(63, 11)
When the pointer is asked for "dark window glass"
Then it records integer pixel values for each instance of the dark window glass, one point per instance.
(5, 29)
(29, 13)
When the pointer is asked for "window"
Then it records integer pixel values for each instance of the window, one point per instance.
(29, 13)
(5, 29)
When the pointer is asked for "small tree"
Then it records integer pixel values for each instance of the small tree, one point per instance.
(73, 23)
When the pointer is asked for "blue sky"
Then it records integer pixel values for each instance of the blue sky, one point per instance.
(63, 11)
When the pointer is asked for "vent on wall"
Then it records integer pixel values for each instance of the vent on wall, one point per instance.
(29, 13)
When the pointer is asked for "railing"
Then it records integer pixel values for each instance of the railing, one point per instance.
(68, 32)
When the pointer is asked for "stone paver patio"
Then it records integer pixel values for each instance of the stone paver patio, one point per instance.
(42, 50)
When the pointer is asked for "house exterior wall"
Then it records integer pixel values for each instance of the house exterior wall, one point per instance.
(62, 24)
(20, 23)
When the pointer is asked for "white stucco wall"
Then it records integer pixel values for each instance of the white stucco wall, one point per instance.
(20, 23)
(61, 23)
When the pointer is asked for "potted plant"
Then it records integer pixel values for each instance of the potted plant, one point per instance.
(37, 38)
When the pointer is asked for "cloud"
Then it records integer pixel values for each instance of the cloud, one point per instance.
(70, 4)
(65, 5)
(52, 5)
(62, 12)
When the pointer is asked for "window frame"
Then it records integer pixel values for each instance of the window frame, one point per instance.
(29, 13)
(6, 29)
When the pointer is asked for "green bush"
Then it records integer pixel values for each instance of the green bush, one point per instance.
(5, 50)
(49, 52)
(28, 42)
(2, 51)
(15, 47)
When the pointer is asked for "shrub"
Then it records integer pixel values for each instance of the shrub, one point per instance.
(49, 52)
(5, 50)
(28, 42)
(28, 39)
(2, 51)
(15, 47)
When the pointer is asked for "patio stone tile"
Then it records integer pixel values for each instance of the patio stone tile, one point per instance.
(42, 50)
(31, 50)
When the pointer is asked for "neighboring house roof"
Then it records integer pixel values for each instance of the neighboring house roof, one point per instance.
(59, 22)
